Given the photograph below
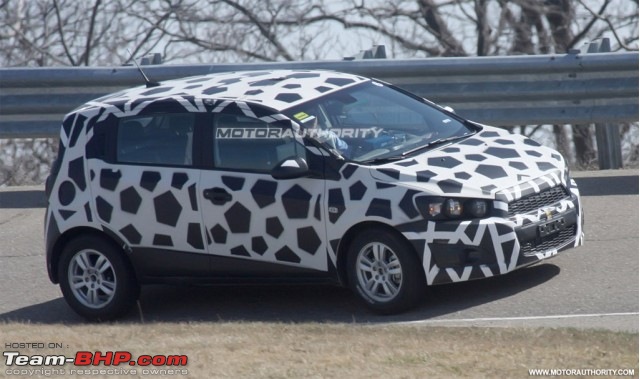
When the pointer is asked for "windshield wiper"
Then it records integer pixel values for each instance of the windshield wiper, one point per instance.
(435, 142)
(392, 158)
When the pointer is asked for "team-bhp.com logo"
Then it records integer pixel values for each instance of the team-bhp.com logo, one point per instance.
(16, 362)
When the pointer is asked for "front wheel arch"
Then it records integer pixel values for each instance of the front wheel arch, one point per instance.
(347, 239)
(384, 271)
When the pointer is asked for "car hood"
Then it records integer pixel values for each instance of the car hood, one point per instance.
(478, 166)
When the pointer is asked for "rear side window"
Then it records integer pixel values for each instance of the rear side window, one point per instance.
(164, 139)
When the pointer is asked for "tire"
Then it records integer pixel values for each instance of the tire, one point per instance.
(385, 272)
(96, 279)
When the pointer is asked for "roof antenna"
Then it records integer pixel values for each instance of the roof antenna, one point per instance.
(147, 82)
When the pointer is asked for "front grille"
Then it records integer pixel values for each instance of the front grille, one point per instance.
(552, 242)
(537, 200)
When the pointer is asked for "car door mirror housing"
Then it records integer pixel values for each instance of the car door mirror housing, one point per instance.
(290, 168)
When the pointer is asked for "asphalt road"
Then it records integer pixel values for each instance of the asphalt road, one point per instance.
(594, 286)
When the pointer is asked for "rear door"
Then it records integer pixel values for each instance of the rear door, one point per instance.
(145, 192)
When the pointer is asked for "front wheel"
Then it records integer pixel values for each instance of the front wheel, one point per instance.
(385, 272)
(96, 280)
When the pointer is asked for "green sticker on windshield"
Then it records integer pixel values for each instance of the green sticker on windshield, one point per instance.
(301, 116)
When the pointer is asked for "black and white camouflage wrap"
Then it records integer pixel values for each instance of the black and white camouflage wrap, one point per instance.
(299, 222)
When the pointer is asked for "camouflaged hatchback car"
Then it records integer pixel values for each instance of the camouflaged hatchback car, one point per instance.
(294, 175)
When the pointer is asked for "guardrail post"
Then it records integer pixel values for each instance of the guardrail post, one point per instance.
(154, 58)
(607, 135)
(376, 52)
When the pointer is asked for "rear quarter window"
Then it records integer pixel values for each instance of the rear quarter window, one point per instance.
(162, 139)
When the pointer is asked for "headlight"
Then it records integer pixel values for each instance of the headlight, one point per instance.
(435, 209)
(453, 208)
(440, 208)
(477, 208)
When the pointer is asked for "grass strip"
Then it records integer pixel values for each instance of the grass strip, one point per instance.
(318, 350)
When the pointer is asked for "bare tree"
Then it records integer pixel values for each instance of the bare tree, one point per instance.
(496, 27)
(69, 32)
(65, 33)
(76, 33)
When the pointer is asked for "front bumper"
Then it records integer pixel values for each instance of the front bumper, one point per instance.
(455, 251)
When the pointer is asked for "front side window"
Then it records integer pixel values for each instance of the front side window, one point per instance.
(372, 121)
(164, 139)
(249, 144)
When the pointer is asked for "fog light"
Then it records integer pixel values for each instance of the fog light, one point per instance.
(474, 255)
(453, 208)
(477, 208)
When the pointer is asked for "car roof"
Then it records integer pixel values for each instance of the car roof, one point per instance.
(277, 89)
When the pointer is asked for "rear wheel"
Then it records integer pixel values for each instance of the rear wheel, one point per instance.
(385, 272)
(96, 280)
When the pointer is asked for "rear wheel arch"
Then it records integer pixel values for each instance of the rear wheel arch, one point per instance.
(96, 277)
(71, 234)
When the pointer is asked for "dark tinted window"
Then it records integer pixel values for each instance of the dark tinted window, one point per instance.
(165, 139)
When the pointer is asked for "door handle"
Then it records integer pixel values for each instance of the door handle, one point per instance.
(217, 195)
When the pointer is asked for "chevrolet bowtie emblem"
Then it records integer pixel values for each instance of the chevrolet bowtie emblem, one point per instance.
(548, 213)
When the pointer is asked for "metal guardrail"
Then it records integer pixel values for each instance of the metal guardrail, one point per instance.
(510, 90)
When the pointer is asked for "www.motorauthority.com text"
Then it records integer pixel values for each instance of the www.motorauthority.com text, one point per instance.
(582, 372)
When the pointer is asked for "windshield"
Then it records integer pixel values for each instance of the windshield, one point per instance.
(374, 122)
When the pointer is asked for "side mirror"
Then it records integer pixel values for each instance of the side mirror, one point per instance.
(290, 168)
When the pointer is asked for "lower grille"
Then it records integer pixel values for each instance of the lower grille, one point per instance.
(552, 242)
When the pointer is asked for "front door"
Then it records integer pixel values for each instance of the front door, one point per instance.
(256, 224)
